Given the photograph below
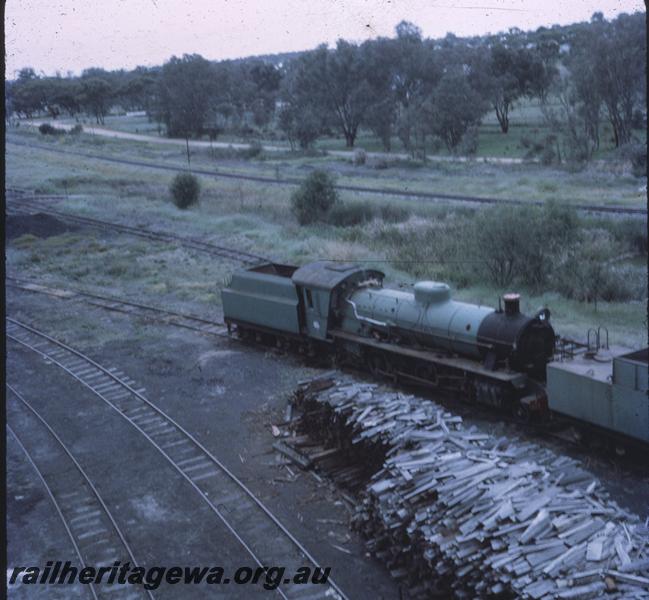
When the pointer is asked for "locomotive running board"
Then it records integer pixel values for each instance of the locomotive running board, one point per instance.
(517, 380)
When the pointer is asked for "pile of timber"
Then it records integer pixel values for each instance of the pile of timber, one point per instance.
(456, 512)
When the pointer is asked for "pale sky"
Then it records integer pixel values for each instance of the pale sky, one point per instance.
(70, 35)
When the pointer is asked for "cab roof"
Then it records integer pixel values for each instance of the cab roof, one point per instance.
(326, 275)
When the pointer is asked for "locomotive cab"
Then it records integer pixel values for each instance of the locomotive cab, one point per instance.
(320, 287)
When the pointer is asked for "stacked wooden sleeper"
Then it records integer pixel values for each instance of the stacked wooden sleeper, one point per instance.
(453, 509)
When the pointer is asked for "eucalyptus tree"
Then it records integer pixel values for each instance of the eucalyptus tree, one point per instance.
(185, 94)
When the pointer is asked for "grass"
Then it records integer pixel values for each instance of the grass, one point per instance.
(525, 121)
(256, 217)
(595, 185)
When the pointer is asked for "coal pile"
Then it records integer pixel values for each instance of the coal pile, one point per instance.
(454, 512)
(39, 225)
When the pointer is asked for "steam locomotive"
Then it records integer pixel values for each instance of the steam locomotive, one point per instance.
(491, 356)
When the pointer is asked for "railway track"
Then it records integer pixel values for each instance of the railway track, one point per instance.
(136, 309)
(97, 539)
(24, 204)
(432, 196)
(265, 539)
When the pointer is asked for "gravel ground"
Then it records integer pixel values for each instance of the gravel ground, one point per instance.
(226, 395)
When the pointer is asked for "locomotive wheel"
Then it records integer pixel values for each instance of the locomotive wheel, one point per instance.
(377, 364)
(523, 413)
(429, 373)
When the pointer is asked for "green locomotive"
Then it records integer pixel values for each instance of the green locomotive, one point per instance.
(492, 356)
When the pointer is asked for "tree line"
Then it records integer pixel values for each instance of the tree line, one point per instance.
(407, 87)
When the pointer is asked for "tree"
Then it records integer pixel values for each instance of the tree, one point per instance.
(301, 125)
(379, 58)
(332, 84)
(454, 106)
(96, 96)
(416, 73)
(302, 114)
(265, 79)
(505, 73)
(618, 52)
(343, 88)
(65, 94)
(27, 93)
(185, 94)
(137, 91)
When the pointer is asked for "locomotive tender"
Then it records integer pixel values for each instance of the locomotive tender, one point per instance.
(495, 357)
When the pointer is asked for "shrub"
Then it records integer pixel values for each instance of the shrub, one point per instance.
(543, 148)
(589, 272)
(315, 197)
(253, 150)
(521, 243)
(47, 129)
(348, 215)
(360, 157)
(637, 154)
(393, 214)
(76, 130)
(632, 233)
(469, 144)
(185, 189)
(526, 142)
(548, 155)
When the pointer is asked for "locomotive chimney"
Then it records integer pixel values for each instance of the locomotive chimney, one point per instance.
(512, 304)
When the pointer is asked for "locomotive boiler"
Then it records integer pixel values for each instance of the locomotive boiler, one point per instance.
(429, 317)
(492, 356)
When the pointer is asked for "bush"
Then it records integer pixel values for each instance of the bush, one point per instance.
(348, 215)
(185, 189)
(632, 233)
(521, 243)
(360, 157)
(47, 129)
(548, 155)
(637, 154)
(393, 214)
(253, 150)
(76, 130)
(589, 272)
(469, 144)
(315, 198)
(543, 148)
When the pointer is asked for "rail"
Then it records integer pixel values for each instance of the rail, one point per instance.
(433, 196)
(250, 522)
(79, 527)
(240, 256)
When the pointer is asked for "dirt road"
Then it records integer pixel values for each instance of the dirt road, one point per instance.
(138, 137)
